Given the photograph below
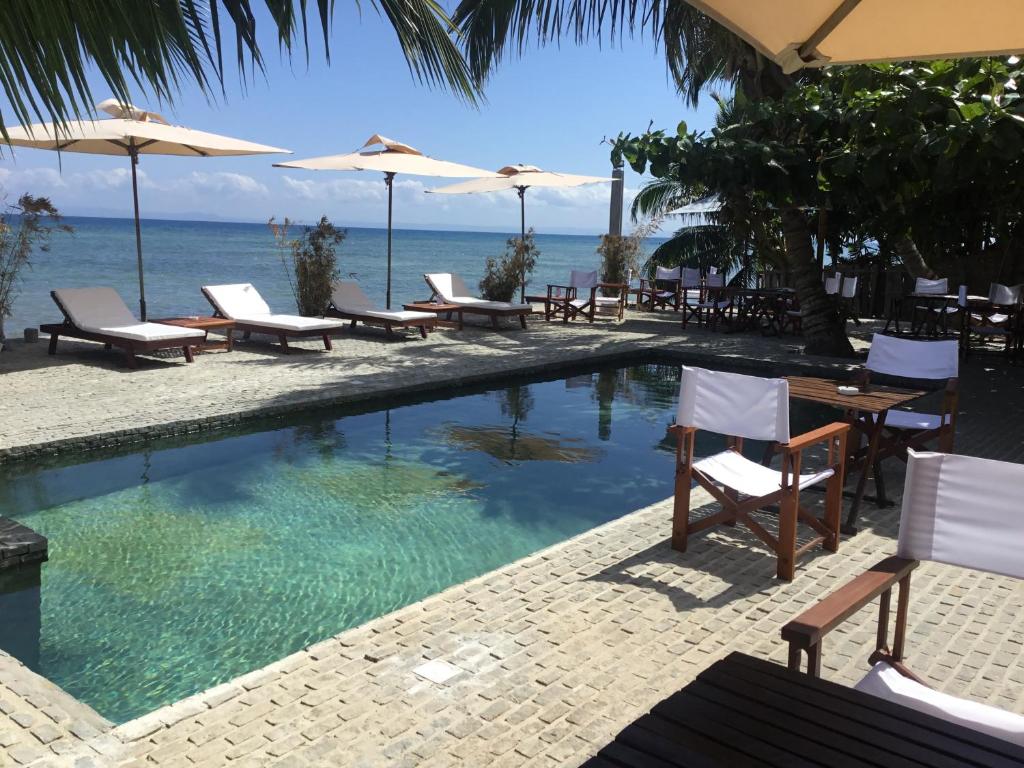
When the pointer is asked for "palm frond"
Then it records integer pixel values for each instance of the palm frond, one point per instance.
(47, 49)
(699, 51)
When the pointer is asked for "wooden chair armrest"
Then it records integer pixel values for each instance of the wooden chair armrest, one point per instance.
(679, 430)
(807, 629)
(819, 435)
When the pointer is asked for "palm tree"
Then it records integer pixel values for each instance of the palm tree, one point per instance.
(700, 53)
(47, 49)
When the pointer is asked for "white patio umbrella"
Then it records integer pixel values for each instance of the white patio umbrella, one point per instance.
(813, 33)
(132, 132)
(394, 158)
(520, 178)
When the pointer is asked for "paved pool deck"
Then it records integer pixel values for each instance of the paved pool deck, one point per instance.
(556, 652)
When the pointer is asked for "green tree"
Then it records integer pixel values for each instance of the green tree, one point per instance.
(48, 48)
(699, 53)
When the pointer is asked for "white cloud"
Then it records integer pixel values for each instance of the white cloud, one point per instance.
(220, 182)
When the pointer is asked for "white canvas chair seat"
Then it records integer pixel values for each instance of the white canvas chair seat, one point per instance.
(996, 318)
(913, 420)
(289, 322)
(887, 683)
(750, 478)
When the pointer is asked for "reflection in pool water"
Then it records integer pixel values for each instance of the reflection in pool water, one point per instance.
(181, 566)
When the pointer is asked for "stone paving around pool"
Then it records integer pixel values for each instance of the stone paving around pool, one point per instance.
(555, 653)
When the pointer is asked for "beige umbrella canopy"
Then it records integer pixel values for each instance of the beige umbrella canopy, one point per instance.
(520, 178)
(132, 131)
(394, 157)
(809, 33)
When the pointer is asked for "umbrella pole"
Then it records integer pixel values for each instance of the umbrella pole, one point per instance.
(134, 154)
(389, 177)
(522, 238)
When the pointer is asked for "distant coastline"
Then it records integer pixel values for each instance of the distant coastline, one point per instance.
(488, 229)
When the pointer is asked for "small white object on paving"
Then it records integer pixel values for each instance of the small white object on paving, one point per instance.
(437, 671)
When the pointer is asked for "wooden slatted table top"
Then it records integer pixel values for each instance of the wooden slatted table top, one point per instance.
(201, 323)
(743, 712)
(875, 400)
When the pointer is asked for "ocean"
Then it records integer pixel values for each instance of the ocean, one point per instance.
(181, 256)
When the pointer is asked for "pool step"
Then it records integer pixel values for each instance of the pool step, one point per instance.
(20, 545)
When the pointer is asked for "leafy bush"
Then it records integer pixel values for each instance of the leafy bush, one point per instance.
(25, 226)
(314, 263)
(619, 255)
(502, 276)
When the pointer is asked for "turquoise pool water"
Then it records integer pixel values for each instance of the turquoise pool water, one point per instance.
(178, 567)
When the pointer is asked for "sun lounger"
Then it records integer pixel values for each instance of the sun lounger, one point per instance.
(348, 302)
(450, 288)
(99, 314)
(243, 304)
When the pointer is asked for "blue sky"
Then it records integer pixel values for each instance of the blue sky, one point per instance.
(549, 108)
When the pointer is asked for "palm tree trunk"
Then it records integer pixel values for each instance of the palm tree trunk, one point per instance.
(823, 330)
(912, 259)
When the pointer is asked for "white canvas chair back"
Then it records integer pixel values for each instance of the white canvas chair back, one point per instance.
(924, 285)
(965, 511)
(691, 278)
(832, 285)
(734, 404)
(581, 280)
(237, 300)
(1004, 295)
(849, 286)
(912, 359)
(95, 308)
(714, 281)
(347, 294)
(667, 274)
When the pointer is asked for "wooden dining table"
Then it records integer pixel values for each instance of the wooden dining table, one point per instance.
(865, 412)
(745, 712)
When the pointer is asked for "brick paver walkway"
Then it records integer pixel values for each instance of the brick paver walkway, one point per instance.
(560, 650)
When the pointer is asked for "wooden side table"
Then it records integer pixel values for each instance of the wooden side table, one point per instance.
(438, 309)
(205, 324)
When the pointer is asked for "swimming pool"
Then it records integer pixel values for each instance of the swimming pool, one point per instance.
(180, 566)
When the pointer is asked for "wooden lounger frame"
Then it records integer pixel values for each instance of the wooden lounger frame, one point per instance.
(130, 347)
(491, 312)
(283, 334)
(424, 324)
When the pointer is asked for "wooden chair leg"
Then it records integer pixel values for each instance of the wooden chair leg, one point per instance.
(423, 331)
(788, 510)
(833, 511)
(494, 322)
(681, 503)
(129, 357)
(53, 343)
(327, 341)
(283, 340)
(522, 321)
(188, 353)
(229, 345)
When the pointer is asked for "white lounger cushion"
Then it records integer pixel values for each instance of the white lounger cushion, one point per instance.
(348, 297)
(101, 310)
(886, 683)
(290, 322)
(242, 303)
(149, 332)
(913, 420)
(453, 290)
(748, 477)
